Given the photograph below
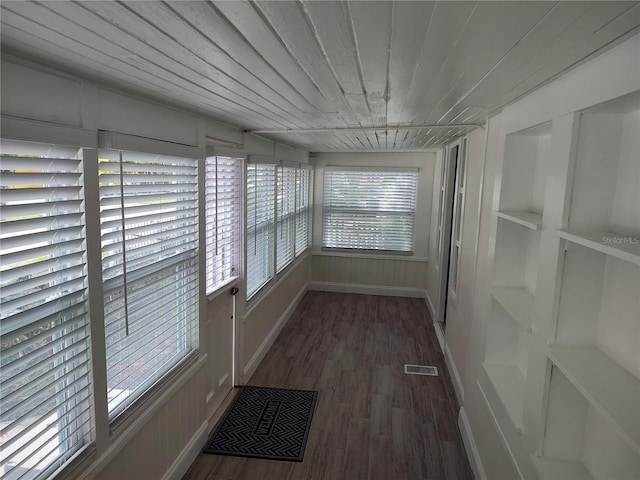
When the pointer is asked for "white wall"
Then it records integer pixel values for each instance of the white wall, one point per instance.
(433, 266)
(40, 103)
(610, 75)
(460, 308)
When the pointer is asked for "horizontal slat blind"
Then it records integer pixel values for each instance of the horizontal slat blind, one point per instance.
(45, 412)
(149, 229)
(303, 210)
(223, 188)
(261, 180)
(369, 210)
(286, 208)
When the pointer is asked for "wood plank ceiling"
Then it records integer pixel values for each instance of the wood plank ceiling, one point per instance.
(294, 66)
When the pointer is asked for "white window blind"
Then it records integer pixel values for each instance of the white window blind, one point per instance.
(286, 209)
(303, 211)
(45, 412)
(369, 209)
(223, 189)
(149, 228)
(260, 225)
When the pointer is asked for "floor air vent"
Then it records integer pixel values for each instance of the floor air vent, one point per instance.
(421, 370)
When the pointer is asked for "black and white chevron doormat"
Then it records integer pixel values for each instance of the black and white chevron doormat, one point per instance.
(270, 423)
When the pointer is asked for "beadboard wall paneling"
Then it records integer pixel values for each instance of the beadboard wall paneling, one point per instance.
(153, 451)
(400, 273)
(268, 314)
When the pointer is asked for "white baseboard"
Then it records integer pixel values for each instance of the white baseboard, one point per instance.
(367, 289)
(188, 454)
(258, 356)
(470, 445)
(457, 381)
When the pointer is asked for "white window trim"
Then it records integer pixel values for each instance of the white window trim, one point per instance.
(76, 350)
(234, 280)
(149, 382)
(370, 253)
(278, 276)
(112, 437)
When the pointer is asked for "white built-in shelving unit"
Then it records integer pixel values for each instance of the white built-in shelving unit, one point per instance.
(519, 217)
(563, 325)
(593, 407)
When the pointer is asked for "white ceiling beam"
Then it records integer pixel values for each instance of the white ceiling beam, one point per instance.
(363, 129)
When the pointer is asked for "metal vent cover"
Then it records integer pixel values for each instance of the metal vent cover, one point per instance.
(421, 370)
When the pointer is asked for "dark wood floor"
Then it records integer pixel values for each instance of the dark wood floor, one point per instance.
(372, 422)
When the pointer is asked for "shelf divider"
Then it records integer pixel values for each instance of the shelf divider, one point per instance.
(555, 469)
(530, 220)
(509, 384)
(624, 247)
(611, 389)
(517, 302)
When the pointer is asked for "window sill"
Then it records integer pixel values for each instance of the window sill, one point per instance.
(151, 401)
(224, 288)
(372, 256)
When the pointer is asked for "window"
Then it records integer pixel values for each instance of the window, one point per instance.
(286, 208)
(303, 210)
(45, 376)
(224, 220)
(260, 225)
(149, 229)
(277, 218)
(369, 209)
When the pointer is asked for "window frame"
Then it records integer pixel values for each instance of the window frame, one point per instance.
(370, 169)
(240, 226)
(190, 261)
(278, 273)
(290, 216)
(307, 211)
(269, 224)
(68, 141)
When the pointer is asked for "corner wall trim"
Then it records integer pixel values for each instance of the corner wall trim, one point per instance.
(432, 311)
(367, 289)
(188, 454)
(457, 381)
(470, 445)
(438, 327)
(252, 365)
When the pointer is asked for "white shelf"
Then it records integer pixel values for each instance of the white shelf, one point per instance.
(624, 247)
(611, 390)
(527, 219)
(517, 302)
(509, 384)
(554, 469)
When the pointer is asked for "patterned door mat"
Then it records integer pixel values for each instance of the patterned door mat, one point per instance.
(271, 423)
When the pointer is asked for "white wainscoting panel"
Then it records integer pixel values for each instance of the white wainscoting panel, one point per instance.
(403, 272)
(162, 445)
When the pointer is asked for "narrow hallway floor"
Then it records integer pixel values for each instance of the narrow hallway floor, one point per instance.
(372, 421)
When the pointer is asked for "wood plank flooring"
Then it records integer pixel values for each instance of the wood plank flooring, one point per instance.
(372, 422)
